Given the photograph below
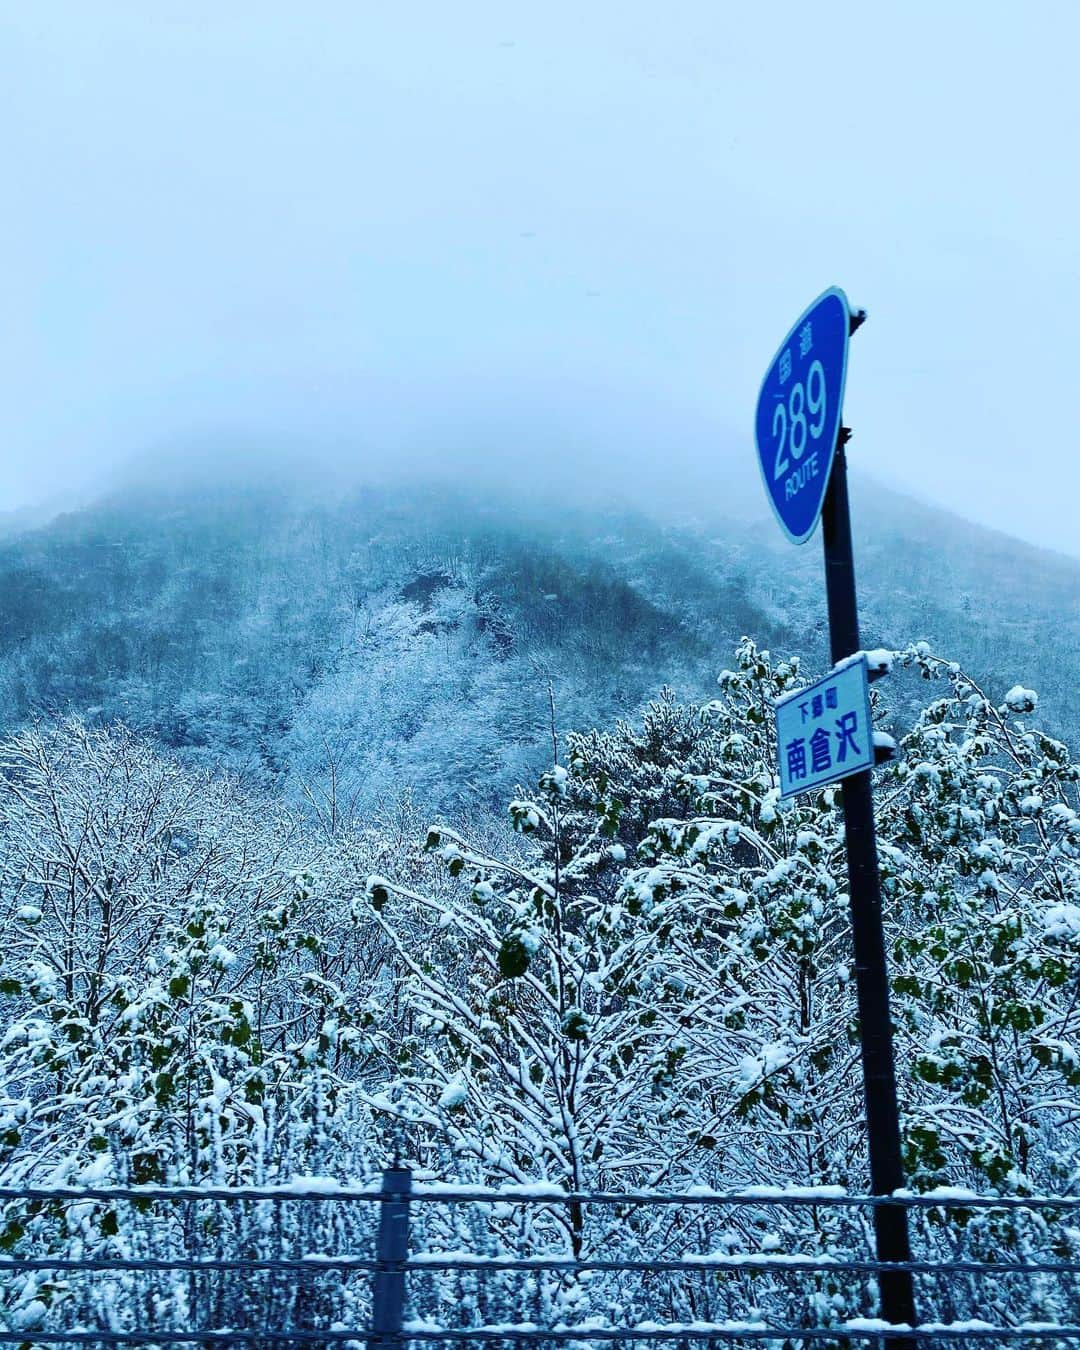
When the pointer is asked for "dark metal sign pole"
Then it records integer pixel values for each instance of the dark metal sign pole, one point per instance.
(879, 1078)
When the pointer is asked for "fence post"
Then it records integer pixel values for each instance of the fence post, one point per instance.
(392, 1248)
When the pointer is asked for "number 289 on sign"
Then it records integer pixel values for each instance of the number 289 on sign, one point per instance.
(802, 417)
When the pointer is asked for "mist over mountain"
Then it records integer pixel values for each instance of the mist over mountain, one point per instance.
(414, 636)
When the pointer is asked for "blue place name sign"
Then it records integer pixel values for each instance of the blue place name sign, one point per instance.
(824, 731)
(798, 414)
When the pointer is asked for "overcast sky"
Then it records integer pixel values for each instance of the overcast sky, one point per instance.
(404, 229)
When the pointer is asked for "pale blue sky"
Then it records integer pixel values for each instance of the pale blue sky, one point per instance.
(397, 230)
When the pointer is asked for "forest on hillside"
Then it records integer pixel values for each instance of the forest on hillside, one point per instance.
(409, 638)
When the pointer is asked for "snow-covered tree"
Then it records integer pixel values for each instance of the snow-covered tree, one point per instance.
(981, 872)
(547, 1043)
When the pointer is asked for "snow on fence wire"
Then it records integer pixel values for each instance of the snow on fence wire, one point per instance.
(218, 1286)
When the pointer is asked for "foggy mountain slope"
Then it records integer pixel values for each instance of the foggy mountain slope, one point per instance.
(406, 637)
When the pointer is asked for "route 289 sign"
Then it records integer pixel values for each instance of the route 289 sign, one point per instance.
(798, 414)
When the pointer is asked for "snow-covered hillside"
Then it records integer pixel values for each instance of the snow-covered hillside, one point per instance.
(405, 638)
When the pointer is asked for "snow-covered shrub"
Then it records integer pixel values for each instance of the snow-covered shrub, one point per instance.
(170, 1018)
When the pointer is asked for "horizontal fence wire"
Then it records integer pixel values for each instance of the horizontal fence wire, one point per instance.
(719, 1331)
(437, 1261)
(429, 1194)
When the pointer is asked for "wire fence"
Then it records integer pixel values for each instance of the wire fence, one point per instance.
(316, 1263)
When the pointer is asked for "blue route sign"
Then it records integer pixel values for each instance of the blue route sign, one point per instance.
(824, 731)
(798, 414)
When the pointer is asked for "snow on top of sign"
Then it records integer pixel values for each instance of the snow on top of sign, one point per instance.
(877, 658)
